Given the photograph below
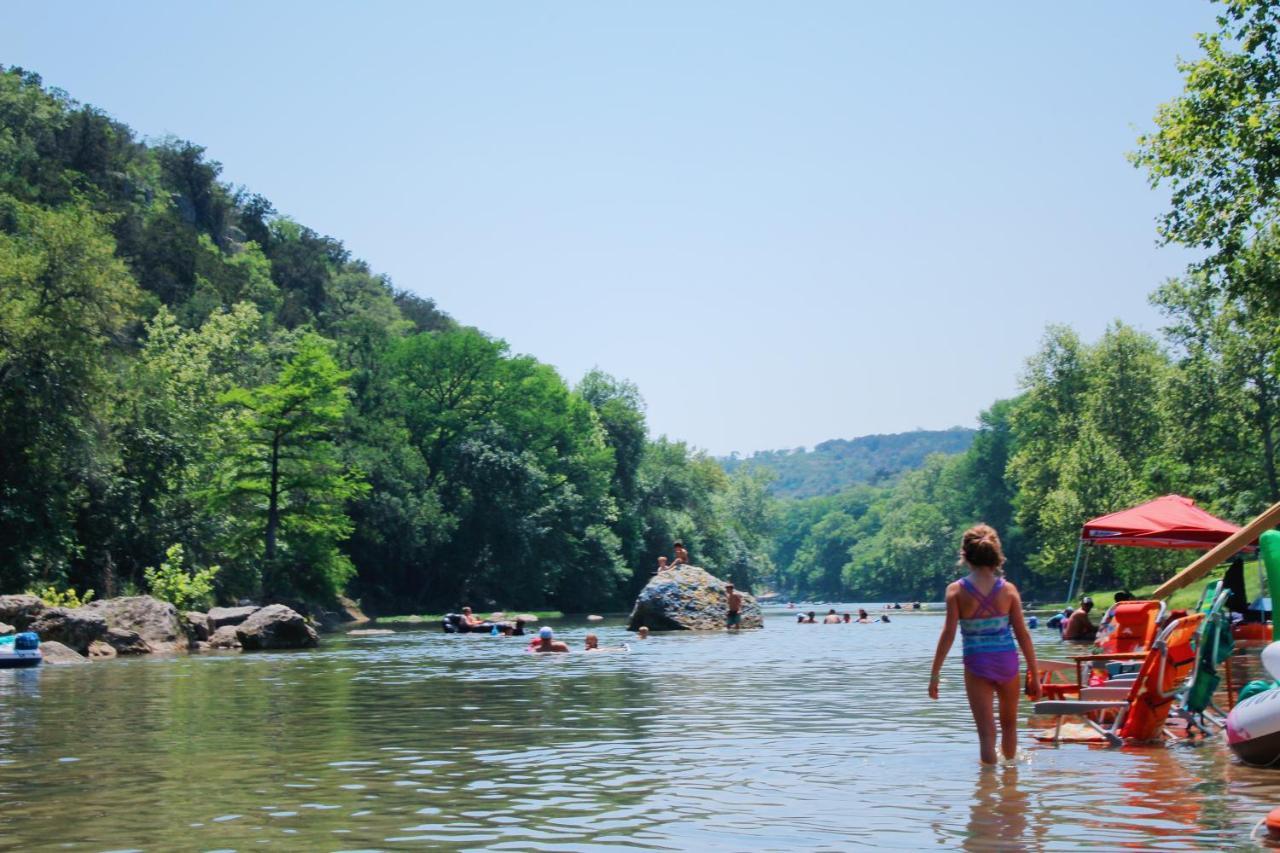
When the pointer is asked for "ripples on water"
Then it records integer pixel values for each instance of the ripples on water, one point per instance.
(798, 736)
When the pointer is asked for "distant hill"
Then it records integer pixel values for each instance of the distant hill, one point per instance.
(840, 463)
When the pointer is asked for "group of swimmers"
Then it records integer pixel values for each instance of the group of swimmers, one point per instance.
(546, 642)
(833, 618)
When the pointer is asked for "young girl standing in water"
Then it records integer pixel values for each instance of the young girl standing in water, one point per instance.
(989, 612)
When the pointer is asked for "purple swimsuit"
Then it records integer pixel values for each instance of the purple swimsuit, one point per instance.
(989, 649)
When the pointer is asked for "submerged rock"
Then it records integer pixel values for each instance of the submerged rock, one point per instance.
(224, 638)
(74, 628)
(370, 632)
(56, 653)
(220, 616)
(688, 598)
(153, 622)
(276, 627)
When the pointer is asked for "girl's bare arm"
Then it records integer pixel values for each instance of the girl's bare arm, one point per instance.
(945, 640)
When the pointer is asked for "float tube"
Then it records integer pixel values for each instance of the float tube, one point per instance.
(20, 651)
(1253, 726)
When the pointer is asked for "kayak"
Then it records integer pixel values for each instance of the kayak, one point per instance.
(20, 651)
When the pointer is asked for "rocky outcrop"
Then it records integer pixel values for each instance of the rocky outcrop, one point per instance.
(688, 598)
(220, 616)
(276, 627)
(74, 628)
(224, 638)
(21, 610)
(57, 654)
(153, 621)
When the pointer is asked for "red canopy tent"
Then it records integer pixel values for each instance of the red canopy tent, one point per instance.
(1168, 522)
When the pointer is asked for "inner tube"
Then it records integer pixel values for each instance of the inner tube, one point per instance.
(1253, 728)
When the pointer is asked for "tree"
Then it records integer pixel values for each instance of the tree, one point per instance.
(283, 475)
(1217, 145)
(1227, 405)
(65, 300)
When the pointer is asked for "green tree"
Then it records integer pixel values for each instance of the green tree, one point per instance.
(283, 476)
(1216, 145)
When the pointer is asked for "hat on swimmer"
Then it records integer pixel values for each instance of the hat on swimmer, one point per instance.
(544, 633)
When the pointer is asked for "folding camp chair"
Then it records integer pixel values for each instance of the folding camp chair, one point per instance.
(1214, 644)
(1142, 712)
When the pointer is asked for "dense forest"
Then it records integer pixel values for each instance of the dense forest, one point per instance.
(840, 463)
(1103, 425)
(190, 379)
(182, 365)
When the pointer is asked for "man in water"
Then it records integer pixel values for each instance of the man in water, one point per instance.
(547, 642)
(1079, 626)
(592, 643)
(735, 607)
(682, 556)
(811, 620)
(643, 632)
(469, 620)
(832, 618)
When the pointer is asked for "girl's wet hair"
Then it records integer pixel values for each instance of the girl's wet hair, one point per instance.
(981, 547)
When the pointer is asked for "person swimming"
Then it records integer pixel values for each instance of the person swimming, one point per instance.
(547, 642)
(832, 618)
(862, 616)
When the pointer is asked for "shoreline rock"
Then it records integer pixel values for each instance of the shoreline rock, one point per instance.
(276, 627)
(688, 598)
(56, 654)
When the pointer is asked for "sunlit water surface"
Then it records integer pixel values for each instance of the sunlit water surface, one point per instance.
(794, 737)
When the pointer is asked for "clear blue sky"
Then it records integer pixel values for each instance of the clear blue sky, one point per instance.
(786, 222)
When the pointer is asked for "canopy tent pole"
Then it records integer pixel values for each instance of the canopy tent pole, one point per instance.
(1071, 587)
(1220, 552)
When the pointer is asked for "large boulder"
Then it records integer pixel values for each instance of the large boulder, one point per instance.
(276, 627)
(56, 653)
(220, 616)
(74, 628)
(21, 610)
(350, 613)
(154, 621)
(688, 598)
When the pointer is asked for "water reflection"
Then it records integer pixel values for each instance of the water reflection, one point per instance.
(797, 737)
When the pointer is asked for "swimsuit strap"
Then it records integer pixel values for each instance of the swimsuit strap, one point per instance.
(986, 603)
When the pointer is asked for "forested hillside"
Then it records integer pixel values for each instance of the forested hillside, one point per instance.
(840, 463)
(1100, 426)
(181, 364)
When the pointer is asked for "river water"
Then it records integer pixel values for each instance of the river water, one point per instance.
(794, 737)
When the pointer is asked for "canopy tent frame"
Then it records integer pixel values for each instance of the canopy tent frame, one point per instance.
(1171, 521)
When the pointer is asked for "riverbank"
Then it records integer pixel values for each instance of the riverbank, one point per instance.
(143, 625)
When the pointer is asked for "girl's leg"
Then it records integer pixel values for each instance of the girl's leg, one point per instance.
(1009, 692)
(981, 693)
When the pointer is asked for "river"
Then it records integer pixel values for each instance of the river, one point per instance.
(794, 737)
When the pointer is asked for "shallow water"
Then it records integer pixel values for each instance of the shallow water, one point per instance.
(795, 737)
